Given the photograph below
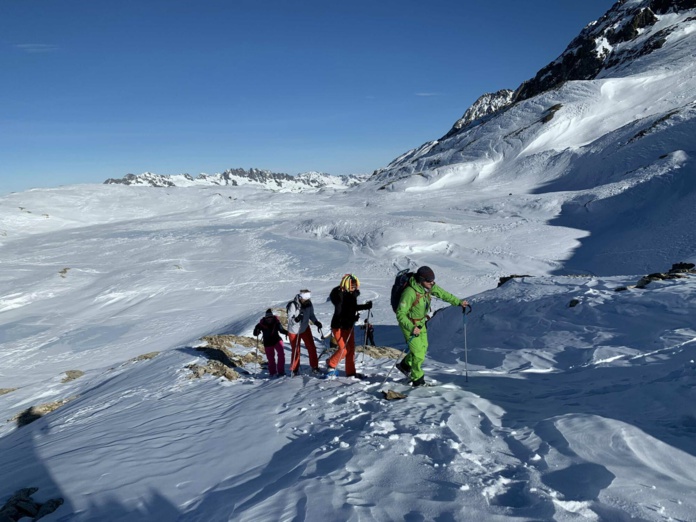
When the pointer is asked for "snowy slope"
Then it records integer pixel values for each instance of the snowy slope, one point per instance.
(560, 398)
(564, 415)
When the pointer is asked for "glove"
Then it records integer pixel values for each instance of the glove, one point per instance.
(368, 305)
(319, 325)
(298, 318)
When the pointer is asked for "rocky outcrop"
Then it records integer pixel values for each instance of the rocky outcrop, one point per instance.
(21, 506)
(598, 47)
(486, 105)
(678, 271)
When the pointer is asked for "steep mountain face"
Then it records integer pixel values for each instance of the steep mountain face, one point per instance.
(488, 104)
(604, 135)
(307, 181)
(640, 52)
(628, 30)
(607, 43)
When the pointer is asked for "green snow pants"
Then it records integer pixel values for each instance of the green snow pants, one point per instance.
(417, 348)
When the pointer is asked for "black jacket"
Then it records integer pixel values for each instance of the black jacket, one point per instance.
(346, 308)
(271, 331)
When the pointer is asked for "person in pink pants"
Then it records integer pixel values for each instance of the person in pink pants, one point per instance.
(271, 329)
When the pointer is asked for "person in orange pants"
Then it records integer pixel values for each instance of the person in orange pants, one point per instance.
(300, 312)
(345, 300)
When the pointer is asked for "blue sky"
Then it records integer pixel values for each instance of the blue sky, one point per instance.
(95, 89)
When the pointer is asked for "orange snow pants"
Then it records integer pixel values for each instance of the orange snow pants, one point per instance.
(295, 340)
(346, 349)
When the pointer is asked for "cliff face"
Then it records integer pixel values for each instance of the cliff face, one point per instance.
(626, 32)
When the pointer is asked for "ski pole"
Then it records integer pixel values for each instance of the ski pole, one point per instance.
(258, 364)
(323, 343)
(466, 349)
(397, 359)
(367, 326)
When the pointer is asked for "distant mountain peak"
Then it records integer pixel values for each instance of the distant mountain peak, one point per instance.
(487, 104)
(237, 177)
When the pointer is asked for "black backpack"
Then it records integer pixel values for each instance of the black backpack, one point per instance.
(400, 282)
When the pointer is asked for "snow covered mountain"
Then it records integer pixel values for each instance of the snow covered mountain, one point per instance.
(240, 177)
(634, 65)
(607, 129)
(566, 395)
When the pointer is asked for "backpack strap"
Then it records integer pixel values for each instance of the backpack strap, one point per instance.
(415, 302)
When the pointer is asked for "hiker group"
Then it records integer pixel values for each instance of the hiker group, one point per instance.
(411, 298)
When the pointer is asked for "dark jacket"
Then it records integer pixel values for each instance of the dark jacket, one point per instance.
(271, 329)
(346, 308)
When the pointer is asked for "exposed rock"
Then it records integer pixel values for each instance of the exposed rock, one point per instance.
(505, 279)
(21, 505)
(229, 340)
(646, 280)
(214, 368)
(36, 412)
(145, 356)
(678, 271)
(3, 391)
(680, 268)
(71, 375)
(379, 352)
(486, 105)
(392, 395)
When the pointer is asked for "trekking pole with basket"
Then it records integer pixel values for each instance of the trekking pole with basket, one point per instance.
(367, 329)
(466, 349)
(401, 353)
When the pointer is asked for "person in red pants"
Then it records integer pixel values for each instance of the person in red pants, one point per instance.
(345, 300)
(300, 312)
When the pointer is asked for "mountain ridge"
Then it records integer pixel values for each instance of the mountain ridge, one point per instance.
(491, 138)
(236, 177)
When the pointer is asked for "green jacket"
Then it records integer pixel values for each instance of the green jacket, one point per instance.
(413, 310)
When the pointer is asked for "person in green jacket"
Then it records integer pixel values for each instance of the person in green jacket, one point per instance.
(412, 315)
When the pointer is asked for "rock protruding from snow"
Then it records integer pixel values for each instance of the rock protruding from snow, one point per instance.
(488, 104)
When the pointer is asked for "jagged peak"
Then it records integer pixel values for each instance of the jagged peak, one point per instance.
(626, 32)
(486, 105)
